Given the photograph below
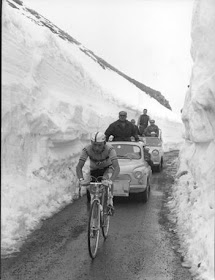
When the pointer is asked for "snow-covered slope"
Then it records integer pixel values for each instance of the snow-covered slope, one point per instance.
(53, 97)
(193, 201)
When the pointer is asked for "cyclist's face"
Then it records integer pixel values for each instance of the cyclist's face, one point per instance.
(98, 147)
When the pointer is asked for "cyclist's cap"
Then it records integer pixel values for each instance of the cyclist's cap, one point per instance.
(98, 137)
(152, 121)
(123, 113)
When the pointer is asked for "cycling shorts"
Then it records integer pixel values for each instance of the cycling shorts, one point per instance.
(99, 172)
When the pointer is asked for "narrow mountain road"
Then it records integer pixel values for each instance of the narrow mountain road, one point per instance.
(140, 245)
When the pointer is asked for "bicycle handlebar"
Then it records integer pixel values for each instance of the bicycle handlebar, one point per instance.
(93, 183)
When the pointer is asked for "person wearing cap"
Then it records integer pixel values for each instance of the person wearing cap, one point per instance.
(122, 129)
(152, 129)
(103, 159)
(143, 122)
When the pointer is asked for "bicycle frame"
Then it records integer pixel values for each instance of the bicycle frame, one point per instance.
(100, 194)
(98, 216)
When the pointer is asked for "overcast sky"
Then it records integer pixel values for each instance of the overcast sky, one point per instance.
(149, 40)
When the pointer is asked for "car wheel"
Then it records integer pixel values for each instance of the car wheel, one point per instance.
(88, 196)
(160, 166)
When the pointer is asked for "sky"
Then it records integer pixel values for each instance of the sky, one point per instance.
(148, 40)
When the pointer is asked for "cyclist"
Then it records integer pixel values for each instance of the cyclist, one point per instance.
(103, 159)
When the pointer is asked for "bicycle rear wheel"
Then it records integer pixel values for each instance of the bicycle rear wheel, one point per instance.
(105, 218)
(94, 229)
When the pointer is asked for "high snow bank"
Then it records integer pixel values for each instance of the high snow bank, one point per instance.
(193, 201)
(53, 97)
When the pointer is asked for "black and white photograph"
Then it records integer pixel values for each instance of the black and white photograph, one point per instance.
(108, 139)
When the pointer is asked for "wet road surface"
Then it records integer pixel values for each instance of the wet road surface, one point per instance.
(140, 245)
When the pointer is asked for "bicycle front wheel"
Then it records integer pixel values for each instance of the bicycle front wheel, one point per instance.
(105, 218)
(94, 229)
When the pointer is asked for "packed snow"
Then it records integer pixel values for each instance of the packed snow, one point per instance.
(54, 96)
(192, 203)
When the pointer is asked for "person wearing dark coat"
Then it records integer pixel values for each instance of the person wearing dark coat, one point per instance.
(143, 121)
(122, 129)
(152, 128)
(136, 127)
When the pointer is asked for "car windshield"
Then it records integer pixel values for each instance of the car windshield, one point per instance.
(152, 141)
(127, 151)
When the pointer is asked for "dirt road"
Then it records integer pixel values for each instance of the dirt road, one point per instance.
(140, 244)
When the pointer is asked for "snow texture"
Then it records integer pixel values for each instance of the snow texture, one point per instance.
(193, 200)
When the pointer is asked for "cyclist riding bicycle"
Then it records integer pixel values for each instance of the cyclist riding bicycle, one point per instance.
(103, 159)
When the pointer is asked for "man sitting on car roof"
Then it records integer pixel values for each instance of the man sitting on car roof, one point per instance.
(122, 129)
(152, 129)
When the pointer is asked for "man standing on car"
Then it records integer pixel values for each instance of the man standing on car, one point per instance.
(143, 121)
(122, 129)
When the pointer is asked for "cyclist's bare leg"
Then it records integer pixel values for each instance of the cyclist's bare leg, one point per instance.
(107, 175)
(95, 215)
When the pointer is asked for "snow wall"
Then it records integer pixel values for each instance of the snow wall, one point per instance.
(193, 202)
(53, 97)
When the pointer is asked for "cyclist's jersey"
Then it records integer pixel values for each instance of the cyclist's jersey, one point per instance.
(99, 161)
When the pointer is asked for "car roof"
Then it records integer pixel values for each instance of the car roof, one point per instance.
(152, 138)
(140, 143)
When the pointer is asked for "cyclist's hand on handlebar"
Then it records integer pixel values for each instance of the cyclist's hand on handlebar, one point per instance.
(84, 182)
(107, 182)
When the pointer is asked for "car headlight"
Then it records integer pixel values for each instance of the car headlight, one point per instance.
(138, 174)
(155, 152)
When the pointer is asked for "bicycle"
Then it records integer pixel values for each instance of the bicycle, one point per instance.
(99, 217)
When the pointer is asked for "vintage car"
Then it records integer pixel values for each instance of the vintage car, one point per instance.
(155, 147)
(135, 172)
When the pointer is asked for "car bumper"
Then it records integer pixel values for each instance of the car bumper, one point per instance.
(125, 190)
(137, 188)
(155, 163)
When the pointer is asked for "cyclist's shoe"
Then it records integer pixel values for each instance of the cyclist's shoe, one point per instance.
(93, 231)
(110, 210)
